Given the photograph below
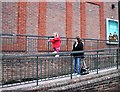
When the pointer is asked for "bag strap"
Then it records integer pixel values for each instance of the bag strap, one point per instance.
(84, 64)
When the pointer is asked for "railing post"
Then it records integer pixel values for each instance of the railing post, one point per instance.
(71, 66)
(97, 44)
(37, 70)
(48, 46)
(84, 43)
(2, 73)
(26, 44)
(117, 57)
(67, 44)
(97, 62)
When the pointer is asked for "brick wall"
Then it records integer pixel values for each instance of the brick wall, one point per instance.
(9, 17)
(102, 82)
(83, 19)
(42, 24)
(76, 19)
(92, 21)
(56, 18)
(32, 26)
(69, 23)
(14, 25)
(109, 12)
(24, 69)
(69, 19)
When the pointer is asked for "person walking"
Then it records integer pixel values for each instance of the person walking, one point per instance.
(78, 46)
(56, 42)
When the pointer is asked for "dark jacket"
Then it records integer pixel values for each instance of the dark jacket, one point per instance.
(79, 47)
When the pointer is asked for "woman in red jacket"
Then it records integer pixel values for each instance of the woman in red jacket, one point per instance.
(55, 42)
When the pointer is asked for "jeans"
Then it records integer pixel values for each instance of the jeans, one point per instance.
(77, 67)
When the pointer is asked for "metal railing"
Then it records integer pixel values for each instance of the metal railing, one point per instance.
(21, 69)
(30, 44)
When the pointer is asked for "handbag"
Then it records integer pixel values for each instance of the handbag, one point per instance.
(84, 69)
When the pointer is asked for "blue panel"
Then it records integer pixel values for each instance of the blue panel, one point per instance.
(112, 33)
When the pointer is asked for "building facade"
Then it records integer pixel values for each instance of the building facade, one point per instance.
(69, 19)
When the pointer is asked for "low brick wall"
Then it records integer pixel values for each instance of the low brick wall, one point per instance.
(25, 69)
(102, 82)
(106, 80)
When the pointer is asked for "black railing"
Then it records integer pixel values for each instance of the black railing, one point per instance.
(21, 69)
(30, 44)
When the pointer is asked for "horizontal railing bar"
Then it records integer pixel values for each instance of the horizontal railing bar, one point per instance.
(27, 35)
(52, 54)
(93, 55)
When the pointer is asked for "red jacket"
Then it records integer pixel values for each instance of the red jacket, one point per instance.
(56, 42)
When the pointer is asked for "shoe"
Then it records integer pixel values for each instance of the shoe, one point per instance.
(74, 73)
(55, 52)
(56, 55)
(78, 75)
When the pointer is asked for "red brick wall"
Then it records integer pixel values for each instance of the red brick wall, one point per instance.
(109, 12)
(83, 19)
(69, 19)
(92, 21)
(76, 19)
(20, 44)
(22, 24)
(9, 18)
(56, 18)
(32, 26)
(69, 23)
(32, 18)
(42, 19)
(42, 24)
(101, 19)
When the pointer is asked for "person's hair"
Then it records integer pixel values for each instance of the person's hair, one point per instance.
(78, 39)
(56, 34)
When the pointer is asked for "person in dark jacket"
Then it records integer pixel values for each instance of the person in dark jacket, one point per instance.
(77, 46)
